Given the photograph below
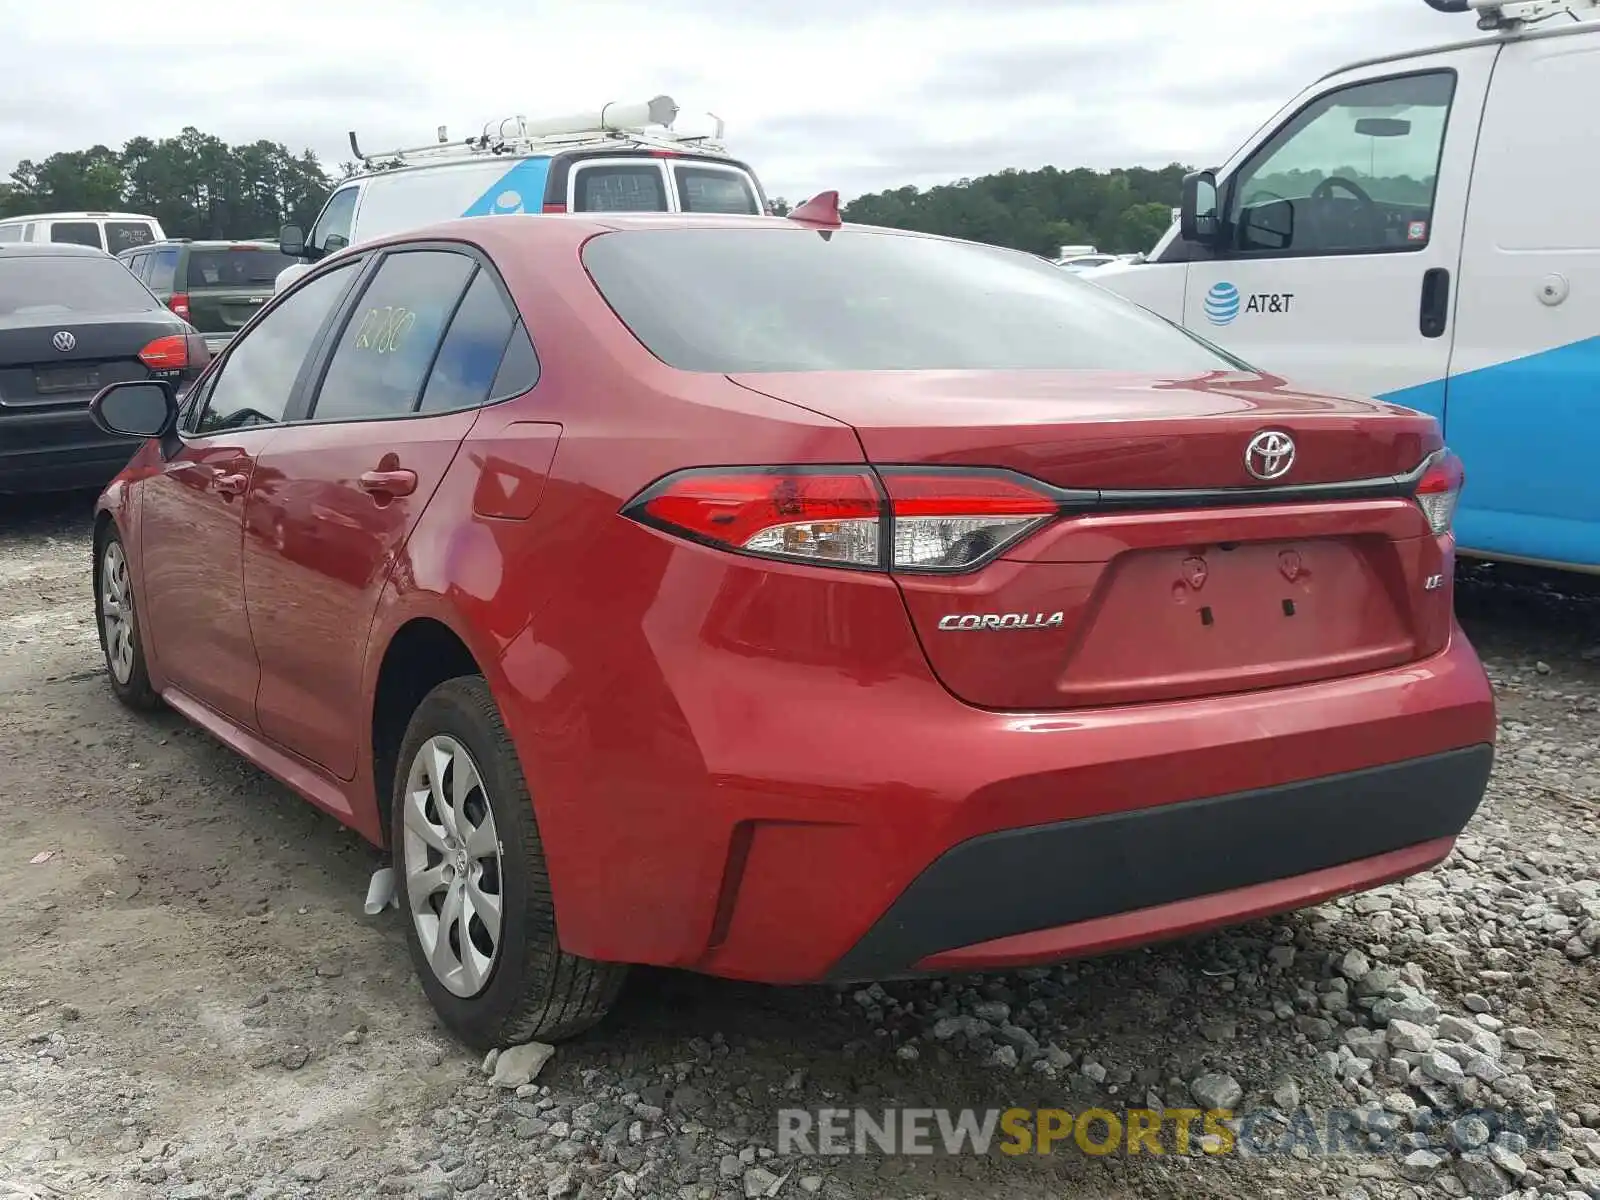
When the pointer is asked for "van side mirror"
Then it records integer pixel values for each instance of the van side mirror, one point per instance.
(292, 241)
(1197, 216)
(335, 243)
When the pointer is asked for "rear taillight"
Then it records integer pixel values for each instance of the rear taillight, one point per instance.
(555, 208)
(1439, 491)
(914, 520)
(176, 352)
(180, 304)
(949, 521)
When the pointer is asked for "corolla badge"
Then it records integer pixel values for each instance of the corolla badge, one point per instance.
(1222, 304)
(1003, 621)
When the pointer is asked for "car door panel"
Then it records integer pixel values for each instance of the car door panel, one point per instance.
(192, 522)
(319, 547)
(332, 506)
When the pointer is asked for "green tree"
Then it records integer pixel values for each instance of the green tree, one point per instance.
(195, 184)
(1120, 210)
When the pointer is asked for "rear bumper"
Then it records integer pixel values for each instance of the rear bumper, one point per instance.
(1023, 896)
(789, 820)
(43, 451)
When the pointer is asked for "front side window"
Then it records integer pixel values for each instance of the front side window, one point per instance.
(255, 383)
(336, 219)
(620, 187)
(787, 299)
(76, 233)
(163, 268)
(1351, 173)
(707, 189)
(125, 235)
(388, 342)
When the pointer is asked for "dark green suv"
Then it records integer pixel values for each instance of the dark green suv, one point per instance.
(215, 286)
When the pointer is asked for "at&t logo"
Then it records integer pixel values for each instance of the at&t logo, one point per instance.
(1222, 304)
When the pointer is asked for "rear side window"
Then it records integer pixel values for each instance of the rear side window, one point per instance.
(235, 267)
(76, 233)
(775, 299)
(620, 187)
(47, 284)
(163, 267)
(470, 354)
(125, 235)
(137, 264)
(10, 233)
(389, 339)
(707, 189)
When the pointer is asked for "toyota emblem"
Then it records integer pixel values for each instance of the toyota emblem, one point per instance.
(64, 341)
(1269, 455)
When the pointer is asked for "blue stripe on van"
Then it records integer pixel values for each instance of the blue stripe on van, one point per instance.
(519, 190)
(1525, 430)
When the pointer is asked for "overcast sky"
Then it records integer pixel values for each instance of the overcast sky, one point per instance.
(854, 94)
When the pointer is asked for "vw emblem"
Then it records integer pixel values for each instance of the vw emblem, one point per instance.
(1269, 455)
(64, 341)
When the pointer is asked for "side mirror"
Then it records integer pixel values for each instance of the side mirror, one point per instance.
(292, 241)
(142, 408)
(335, 243)
(1197, 216)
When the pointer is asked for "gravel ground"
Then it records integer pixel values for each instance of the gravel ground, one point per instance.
(193, 1006)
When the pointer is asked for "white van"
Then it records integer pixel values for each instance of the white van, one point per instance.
(112, 232)
(620, 158)
(1422, 228)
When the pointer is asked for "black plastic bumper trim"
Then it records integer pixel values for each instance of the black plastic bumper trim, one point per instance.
(1043, 876)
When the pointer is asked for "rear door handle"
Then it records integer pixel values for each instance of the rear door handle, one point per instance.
(388, 483)
(1435, 311)
(232, 485)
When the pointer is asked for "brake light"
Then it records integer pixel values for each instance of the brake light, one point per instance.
(916, 520)
(828, 516)
(180, 304)
(1439, 491)
(166, 353)
(555, 208)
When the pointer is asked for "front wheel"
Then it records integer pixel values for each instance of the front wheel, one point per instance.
(118, 621)
(474, 893)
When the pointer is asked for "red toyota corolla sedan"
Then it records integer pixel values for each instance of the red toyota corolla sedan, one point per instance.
(791, 601)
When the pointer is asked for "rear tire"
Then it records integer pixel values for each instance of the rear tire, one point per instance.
(473, 891)
(117, 618)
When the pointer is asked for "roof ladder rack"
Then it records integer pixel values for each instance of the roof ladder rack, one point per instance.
(646, 126)
(1508, 16)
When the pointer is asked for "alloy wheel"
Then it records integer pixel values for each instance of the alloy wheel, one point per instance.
(452, 865)
(116, 611)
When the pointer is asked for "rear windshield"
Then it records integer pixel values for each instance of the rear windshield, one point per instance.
(45, 284)
(727, 300)
(76, 233)
(125, 235)
(706, 189)
(236, 267)
(621, 187)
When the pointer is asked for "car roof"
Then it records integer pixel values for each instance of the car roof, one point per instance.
(49, 250)
(515, 232)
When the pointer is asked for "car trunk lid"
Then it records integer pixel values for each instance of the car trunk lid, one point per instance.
(1173, 571)
(66, 361)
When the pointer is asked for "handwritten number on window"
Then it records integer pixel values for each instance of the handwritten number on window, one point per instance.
(382, 330)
